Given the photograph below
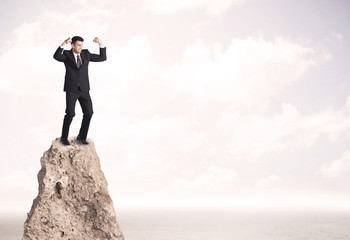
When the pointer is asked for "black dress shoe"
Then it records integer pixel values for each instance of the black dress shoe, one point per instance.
(82, 141)
(64, 141)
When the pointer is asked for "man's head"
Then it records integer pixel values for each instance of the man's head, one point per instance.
(77, 44)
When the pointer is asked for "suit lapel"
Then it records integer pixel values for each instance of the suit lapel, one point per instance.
(83, 57)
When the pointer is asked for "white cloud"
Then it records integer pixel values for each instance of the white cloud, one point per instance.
(256, 134)
(339, 168)
(267, 182)
(248, 71)
(337, 35)
(26, 71)
(172, 6)
(16, 186)
(212, 179)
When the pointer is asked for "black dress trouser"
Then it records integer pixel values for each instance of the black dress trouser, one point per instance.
(86, 105)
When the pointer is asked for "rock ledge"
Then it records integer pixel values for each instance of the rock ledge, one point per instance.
(73, 201)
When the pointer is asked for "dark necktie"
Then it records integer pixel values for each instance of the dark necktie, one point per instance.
(78, 61)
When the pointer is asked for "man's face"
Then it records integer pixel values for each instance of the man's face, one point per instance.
(77, 46)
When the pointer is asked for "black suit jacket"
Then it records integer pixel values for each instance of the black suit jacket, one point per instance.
(78, 78)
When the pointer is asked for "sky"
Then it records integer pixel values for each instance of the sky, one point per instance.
(201, 104)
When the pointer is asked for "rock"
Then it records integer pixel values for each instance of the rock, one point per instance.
(73, 201)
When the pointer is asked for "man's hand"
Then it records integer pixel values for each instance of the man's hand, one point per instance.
(68, 40)
(97, 40)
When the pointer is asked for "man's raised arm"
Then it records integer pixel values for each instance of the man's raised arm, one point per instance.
(103, 56)
(58, 55)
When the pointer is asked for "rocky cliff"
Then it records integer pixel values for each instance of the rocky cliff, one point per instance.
(73, 201)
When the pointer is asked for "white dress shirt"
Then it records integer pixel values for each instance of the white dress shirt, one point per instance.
(76, 58)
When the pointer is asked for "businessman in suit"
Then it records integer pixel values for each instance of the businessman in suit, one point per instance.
(76, 84)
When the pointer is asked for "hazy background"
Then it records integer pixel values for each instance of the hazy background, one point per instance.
(200, 104)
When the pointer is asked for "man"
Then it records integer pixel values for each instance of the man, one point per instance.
(76, 84)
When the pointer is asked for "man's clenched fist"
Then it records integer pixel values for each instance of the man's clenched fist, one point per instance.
(97, 40)
(68, 40)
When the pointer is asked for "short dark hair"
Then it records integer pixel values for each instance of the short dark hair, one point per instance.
(77, 38)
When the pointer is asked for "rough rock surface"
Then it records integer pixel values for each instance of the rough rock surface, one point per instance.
(73, 201)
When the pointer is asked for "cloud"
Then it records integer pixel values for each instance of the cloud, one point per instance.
(337, 169)
(17, 184)
(212, 179)
(23, 73)
(248, 71)
(337, 35)
(267, 182)
(253, 135)
(173, 6)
